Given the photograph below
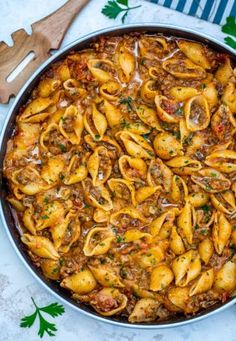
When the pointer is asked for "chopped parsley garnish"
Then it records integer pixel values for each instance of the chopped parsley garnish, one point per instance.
(205, 208)
(97, 137)
(62, 147)
(62, 177)
(119, 239)
(44, 217)
(127, 101)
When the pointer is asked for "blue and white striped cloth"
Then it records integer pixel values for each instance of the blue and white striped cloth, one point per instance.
(215, 11)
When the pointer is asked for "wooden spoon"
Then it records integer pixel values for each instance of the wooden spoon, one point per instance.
(47, 34)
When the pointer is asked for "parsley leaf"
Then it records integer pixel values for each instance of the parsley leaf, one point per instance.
(127, 101)
(231, 42)
(230, 28)
(112, 9)
(45, 326)
(53, 309)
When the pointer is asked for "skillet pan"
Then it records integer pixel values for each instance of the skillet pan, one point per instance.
(5, 210)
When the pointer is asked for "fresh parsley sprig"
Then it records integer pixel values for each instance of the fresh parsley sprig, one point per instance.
(114, 7)
(230, 28)
(45, 326)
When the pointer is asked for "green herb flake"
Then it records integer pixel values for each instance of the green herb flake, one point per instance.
(97, 137)
(46, 200)
(44, 217)
(127, 101)
(62, 147)
(205, 208)
(45, 326)
(119, 239)
(62, 177)
(203, 86)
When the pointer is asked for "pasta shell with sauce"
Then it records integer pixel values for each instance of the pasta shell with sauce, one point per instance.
(149, 90)
(181, 93)
(195, 52)
(159, 175)
(145, 192)
(95, 123)
(186, 268)
(98, 241)
(52, 213)
(225, 279)
(132, 169)
(203, 283)
(223, 160)
(165, 218)
(110, 144)
(206, 250)
(47, 86)
(135, 234)
(35, 110)
(81, 282)
(126, 64)
(161, 277)
(113, 114)
(51, 170)
(28, 220)
(99, 166)
(224, 72)
(183, 69)
(67, 228)
(211, 94)
(146, 309)
(40, 246)
(71, 125)
(229, 96)
(184, 165)
(167, 146)
(221, 232)
(186, 221)
(126, 217)
(179, 189)
(164, 113)
(106, 276)
(76, 170)
(211, 180)
(98, 197)
(176, 242)
(197, 113)
(101, 69)
(223, 123)
(136, 145)
(122, 189)
(148, 116)
(110, 90)
(29, 181)
(179, 297)
(224, 202)
(113, 297)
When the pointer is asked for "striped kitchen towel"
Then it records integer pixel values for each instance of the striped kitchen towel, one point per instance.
(215, 11)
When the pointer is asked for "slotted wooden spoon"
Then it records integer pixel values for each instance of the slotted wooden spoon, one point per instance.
(47, 34)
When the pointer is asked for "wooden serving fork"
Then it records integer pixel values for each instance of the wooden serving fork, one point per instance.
(47, 34)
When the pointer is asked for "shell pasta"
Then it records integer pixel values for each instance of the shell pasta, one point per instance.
(122, 176)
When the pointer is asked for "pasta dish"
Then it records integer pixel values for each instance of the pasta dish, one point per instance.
(122, 176)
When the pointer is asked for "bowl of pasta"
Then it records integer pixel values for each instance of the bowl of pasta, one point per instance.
(119, 175)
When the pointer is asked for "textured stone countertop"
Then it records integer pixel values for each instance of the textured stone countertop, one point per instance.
(17, 285)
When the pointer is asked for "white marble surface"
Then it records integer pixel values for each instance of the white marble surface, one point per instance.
(16, 284)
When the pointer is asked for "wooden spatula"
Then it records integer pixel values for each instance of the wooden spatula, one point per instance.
(47, 34)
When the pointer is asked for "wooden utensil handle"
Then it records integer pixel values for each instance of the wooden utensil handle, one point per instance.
(56, 24)
(47, 34)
